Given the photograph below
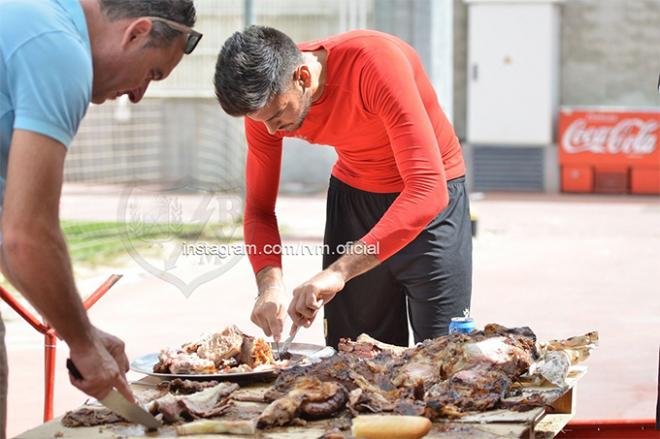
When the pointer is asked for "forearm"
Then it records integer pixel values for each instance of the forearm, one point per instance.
(270, 279)
(359, 260)
(36, 262)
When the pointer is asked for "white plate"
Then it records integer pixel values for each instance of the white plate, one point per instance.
(299, 353)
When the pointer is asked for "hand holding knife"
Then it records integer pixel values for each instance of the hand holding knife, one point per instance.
(116, 402)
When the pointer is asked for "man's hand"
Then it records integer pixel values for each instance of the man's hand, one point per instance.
(309, 297)
(269, 313)
(322, 288)
(116, 348)
(99, 369)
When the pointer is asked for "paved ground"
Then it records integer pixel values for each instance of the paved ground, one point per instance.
(563, 265)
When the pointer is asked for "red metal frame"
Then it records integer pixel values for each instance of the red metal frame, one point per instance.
(50, 337)
(610, 428)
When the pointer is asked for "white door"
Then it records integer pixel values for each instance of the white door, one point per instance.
(512, 73)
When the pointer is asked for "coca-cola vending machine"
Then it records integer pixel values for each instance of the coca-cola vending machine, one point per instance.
(609, 150)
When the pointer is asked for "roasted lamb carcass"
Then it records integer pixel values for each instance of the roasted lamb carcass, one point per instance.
(446, 377)
(480, 388)
(368, 382)
(459, 373)
(473, 372)
(438, 359)
(346, 369)
(464, 372)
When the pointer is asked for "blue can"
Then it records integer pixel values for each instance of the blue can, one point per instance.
(462, 325)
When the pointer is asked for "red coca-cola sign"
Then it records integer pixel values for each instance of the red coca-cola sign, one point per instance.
(609, 137)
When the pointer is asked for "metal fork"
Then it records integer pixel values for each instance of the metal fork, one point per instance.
(277, 348)
(287, 342)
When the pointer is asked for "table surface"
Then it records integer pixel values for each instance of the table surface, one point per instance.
(537, 423)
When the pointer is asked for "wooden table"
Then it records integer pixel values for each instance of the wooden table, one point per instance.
(539, 423)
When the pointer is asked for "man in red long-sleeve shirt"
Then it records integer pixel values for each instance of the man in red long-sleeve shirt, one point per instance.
(397, 190)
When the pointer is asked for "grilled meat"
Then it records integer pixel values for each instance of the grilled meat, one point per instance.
(308, 398)
(477, 389)
(172, 361)
(177, 401)
(222, 345)
(90, 416)
(443, 377)
(227, 351)
(368, 347)
(187, 387)
(209, 402)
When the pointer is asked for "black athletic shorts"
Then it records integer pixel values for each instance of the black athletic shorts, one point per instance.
(429, 281)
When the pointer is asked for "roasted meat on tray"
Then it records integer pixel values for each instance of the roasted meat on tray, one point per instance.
(446, 377)
(228, 351)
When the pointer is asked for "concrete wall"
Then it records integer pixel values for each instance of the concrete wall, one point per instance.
(427, 26)
(610, 52)
(460, 67)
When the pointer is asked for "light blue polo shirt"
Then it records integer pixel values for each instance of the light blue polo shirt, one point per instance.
(46, 71)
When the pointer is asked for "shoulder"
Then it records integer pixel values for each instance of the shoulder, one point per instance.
(369, 42)
(48, 69)
(62, 55)
(357, 42)
(25, 20)
(43, 34)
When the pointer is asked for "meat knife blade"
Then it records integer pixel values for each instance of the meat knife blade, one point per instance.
(116, 402)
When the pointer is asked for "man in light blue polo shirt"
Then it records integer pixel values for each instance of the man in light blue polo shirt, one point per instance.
(57, 56)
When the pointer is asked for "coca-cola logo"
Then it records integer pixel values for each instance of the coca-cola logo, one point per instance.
(627, 136)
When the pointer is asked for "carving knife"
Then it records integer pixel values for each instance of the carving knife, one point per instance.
(116, 402)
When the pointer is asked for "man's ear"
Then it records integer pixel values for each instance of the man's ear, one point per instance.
(137, 33)
(303, 76)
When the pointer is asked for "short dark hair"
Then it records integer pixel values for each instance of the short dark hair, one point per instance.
(254, 66)
(180, 11)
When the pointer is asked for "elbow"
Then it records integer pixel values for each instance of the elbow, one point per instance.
(18, 245)
(255, 218)
(434, 208)
(440, 201)
(21, 242)
(433, 199)
(256, 213)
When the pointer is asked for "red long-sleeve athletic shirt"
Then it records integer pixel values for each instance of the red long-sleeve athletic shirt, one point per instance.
(380, 112)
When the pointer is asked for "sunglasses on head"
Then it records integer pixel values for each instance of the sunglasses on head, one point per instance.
(193, 35)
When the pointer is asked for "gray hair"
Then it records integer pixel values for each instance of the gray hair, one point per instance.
(180, 11)
(253, 67)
